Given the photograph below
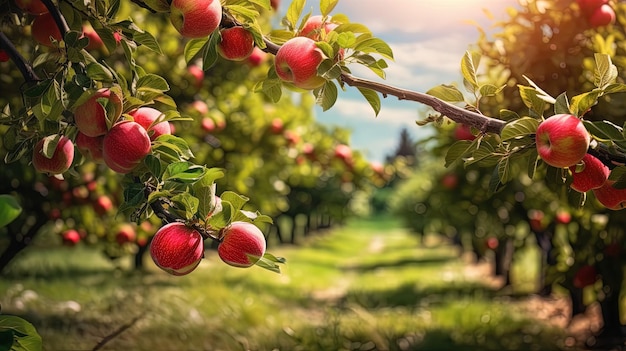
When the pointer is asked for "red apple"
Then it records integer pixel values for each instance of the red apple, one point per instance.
(589, 6)
(146, 117)
(585, 276)
(378, 168)
(308, 149)
(201, 107)
(292, 137)
(103, 205)
(296, 62)
(125, 234)
(562, 140)
(177, 248)
(610, 197)
(563, 217)
(125, 145)
(450, 181)
(61, 159)
(95, 42)
(343, 152)
(208, 125)
(90, 147)
(91, 116)
(70, 237)
(34, 7)
(535, 218)
(492, 243)
(463, 132)
(313, 27)
(4, 57)
(242, 245)
(590, 175)
(275, 4)
(276, 126)
(43, 28)
(237, 43)
(257, 57)
(197, 74)
(195, 18)
(602, 16)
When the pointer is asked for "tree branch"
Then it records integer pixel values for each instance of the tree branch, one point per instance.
(460, 115)
(58, 17)
(25, 68)
(116, 333)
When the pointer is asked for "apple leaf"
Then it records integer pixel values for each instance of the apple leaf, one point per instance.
(561, 104)
(490, 90)
(372, 98)
(192, 48)
(540, 92)
(605, 72)
(605, 130)
(186, 204)
(327, 6)
(237, 201)
(447, 93)
(508, 115)
(531, 99)
(10, 209)
(204, 190)
(293, 13)
(469, 65)
(519, 128)
(211, 56)
(327, 95)
(533, 162)
(374, 45)
(582, 103)
(146, 39)
(152, 82)
(457, 150)
(24, 334)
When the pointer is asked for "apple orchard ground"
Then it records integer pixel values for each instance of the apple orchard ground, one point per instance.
(366, 286)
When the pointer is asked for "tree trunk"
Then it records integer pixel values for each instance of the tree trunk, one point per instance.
(544, 241)
(21, 234)
(504, 259)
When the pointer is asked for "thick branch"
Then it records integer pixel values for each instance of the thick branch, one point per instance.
(58, 17)
(25, 68)
(460, 115)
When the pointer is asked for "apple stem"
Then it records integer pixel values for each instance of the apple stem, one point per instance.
(25, 68)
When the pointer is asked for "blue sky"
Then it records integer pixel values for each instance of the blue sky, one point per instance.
(428, 38)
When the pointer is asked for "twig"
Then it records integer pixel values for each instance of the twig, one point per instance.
(58, 17)
(116, 333)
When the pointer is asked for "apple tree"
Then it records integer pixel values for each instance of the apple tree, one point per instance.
(162, 180)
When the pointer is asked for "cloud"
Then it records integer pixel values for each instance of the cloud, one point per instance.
(419, 16)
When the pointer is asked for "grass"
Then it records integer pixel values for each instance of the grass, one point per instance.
(365, 286)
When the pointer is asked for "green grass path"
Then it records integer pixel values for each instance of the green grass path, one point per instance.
(366, 286)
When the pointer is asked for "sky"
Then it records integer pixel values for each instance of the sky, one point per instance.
(428, 39)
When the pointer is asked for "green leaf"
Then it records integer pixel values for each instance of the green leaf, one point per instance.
(490, 90)
(327, 6)
(146, 39)
(210, 52)
(615, 88)
(293, 13)
(221, 218)
(204, 190)
(507, 115)
(561, 105)
(10, 209)
(183, 172)
(193, 47)
(268, 264)
(153, 164)
(469, 65)
(447, 93)
(153, 82)
(237, 201)
(99, 72)
(504, 170)
(605, 72)
(457, 150)
(533, 162)
(374, 45)
(519, 128)
(327, 95)
(174, 143)
(582, 103)
(540, 92)
(372, 98)
(532, 100)
(605, 130)
(25, 335)
(186, 202)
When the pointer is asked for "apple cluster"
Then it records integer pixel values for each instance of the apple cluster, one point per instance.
(562, 141)
(598, 13)
(178, 248)
(121, 147)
